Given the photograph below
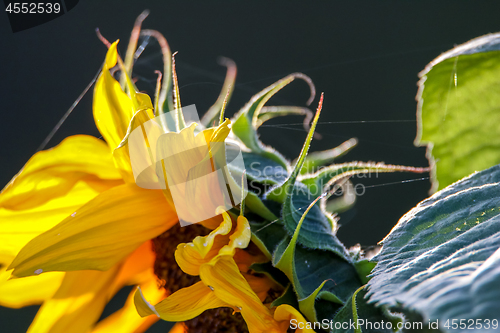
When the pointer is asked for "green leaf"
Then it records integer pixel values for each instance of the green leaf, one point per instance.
(442, 259)
(364, 268)
(457, 113)
(313, 267)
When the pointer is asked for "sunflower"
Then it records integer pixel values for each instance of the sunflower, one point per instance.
(76, 228)
(157, 205)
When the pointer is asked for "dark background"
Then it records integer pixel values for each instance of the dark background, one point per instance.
(365, 56)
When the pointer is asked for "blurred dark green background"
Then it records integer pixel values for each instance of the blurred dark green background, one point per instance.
(365, 56)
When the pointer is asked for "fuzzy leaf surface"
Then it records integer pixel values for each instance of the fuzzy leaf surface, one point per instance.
(442, 259)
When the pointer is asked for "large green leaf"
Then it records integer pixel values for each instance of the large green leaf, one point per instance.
(442, 260)
(458, 104)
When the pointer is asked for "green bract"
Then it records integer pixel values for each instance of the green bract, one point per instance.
(287, 209)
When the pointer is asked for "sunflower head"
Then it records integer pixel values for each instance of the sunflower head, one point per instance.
(256, 247)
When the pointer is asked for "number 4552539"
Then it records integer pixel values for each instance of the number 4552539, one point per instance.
(33, 8)
(472, 324)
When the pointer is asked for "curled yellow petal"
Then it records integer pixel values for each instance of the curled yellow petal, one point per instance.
(182, 305)
(287, 315)
(113, 108)
(191, 256)
(229, 285)
(239, 239)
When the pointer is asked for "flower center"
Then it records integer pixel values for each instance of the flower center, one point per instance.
(172, 278)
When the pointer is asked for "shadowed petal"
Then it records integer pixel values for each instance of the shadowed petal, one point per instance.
(32, 290)
(78, 303)
(127, 319)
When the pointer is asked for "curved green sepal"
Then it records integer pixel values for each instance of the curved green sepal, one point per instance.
(357, 311)
(307, 305)
(282, 191)
(245, 121)
(225, 94)
(263, 170)
(322, 179)
(320, 158)
(270, 112)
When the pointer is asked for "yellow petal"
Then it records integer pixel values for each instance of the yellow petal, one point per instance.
(77, 304)
(223, 275)
(32, 290)
(285, 313)
(189, 173)
(127, 319)
(18, 227)
(113, 108)
(138, 268)
(239, 239)
(182, 305)
(134, 157)
(52, 173)
(99, 234)
(191, 256)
